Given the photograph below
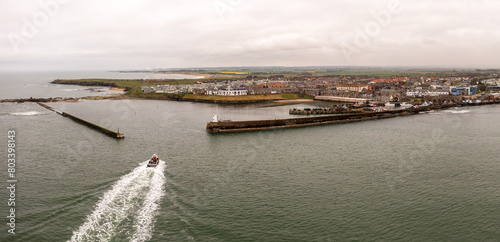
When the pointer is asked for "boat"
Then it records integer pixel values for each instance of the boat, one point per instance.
(358, 105)
(388, 104)
(154, 161)
(215, 119)
(380, 109)
(405, 105)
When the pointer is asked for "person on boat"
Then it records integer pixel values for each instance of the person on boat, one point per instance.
(154, 160)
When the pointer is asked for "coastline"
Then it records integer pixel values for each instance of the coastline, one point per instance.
(143, 96)
(194, 75)
(117, 89)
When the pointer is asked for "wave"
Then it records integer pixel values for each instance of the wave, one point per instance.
(461, 111)
(28, 113)
(458, 111)
(127, 209)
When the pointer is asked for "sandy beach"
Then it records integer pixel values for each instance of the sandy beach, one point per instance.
(117, 89)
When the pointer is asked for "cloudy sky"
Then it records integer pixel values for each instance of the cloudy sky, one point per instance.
(146, 34)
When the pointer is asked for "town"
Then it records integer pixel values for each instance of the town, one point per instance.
(347, 88)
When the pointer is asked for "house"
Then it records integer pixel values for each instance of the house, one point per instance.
(421, 92)
(239, 91)
(493, 89)
(227, 91)
(147, 89)
(353, 87)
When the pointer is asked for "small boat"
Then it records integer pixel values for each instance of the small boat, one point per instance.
(216, 119)
(388, 104)
(405, 105)
(154, 161)
(358, 105)
(380, 109)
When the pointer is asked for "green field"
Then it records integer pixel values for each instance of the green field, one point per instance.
(137, 93)
(122, 83)
(290, 72)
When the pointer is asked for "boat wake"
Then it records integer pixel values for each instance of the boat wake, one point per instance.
(127, 211)
(29, 113)
(461, 111)
(458, 111)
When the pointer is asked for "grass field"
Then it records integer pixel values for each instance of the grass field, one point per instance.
(288, 72)
(137, 93)
(122, 83)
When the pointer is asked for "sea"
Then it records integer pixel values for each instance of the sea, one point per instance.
(426, 177)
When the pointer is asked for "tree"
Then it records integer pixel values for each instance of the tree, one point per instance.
(482, 87)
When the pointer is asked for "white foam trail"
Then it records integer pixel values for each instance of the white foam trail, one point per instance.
(461, 111)
(143, 188)
(143, 226)
(29, 113)
(457, 111)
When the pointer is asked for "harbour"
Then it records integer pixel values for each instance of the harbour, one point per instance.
(396, 185)
(221, 126)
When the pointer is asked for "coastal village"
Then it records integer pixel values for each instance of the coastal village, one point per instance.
(348, 88)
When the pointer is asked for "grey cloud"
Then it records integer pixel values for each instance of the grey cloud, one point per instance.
(133, 34)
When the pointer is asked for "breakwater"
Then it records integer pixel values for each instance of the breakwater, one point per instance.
(315, 111)
(241, 126)
(38, 100)
(116, 135)
(341, 99)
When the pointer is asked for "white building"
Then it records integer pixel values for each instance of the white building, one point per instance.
(228, 91)
(425, 92)
(438, 92)
(416, 93)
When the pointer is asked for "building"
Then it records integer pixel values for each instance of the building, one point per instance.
(353, 87)
(419, 92)
(493, 89)
(228, 91)
(438, 92)
(272, 88)
(463, 91)
(147, 89)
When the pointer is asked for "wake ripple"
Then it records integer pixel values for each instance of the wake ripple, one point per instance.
(29, 113)
(127, 209)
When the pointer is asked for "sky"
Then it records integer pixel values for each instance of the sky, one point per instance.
(150, 34)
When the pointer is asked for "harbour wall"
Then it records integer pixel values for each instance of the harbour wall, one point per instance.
(240, 126)
(341, 99)
(321, 111)
(98, 128)
(38, 100)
